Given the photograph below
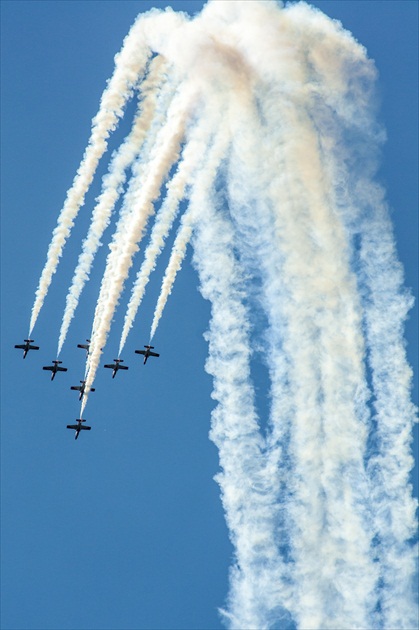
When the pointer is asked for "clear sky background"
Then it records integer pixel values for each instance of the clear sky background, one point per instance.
(124, 528)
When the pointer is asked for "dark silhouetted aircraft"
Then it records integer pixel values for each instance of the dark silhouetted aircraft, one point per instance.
(81, 388)
(116, 366)
(147, 353)
(85, 346)
(54, 368)
(78, 427)
(26, 347)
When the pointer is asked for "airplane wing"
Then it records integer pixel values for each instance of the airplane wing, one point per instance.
(137, 351)
(154, 354)
(109, 366)
(49, 367)
(60, 369)
(85, 428)
(123, 367)
(76, 387)
(20, 346)
(73, 426)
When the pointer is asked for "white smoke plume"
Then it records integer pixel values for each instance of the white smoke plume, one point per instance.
(191, 157)
(112, 187)
(394, 507)
(129, 65)
(198, 190)
(294, 250)
(130, 230)
(248, 481)
(139, 172)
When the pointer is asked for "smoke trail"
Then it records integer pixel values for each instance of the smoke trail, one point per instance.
(209, 171)
(385, 304)
(300, 263)
(130, 231)
(191, 156)
(139, 172)
(248, 491)
(112, 188)
(317, 295)
(328, 517)
(385, 312)
(142, 171)
(129, 64)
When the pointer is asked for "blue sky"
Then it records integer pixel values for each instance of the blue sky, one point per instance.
(124, 528)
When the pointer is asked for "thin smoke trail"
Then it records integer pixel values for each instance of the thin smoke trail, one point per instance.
(144, 179)
(385, 305)
(139, 173)
(308, 443)
(129, 64)
(329, 455)
(141, 170)
(191, 156)
(385, 312)
(246, 480)
(361, 562)
(211, 161)
(112, 188)
(127, 238)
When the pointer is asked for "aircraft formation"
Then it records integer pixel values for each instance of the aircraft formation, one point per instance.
(56, 367)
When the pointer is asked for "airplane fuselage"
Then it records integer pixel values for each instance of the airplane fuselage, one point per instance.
(26, 347)
(78, 427)
(54, 369)
(147, 353)
(82, 388)
(116, 366)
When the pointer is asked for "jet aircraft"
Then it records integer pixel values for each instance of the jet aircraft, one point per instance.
(85, 346)
(54, 368)
(26, 347)
(78, 427)
(81, 388)
(116, 366)
(147, 353)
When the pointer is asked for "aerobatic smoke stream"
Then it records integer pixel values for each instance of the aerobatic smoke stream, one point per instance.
(267, 113)
(139, 170)
(209, 170)
(393, 504)
(310, 435)
(111, 190)
(191, 156)
(129, 65)
(131, 230)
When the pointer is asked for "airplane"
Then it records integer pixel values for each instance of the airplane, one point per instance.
(81, 388)
(147, 353)
(85, 346)
(116, 366)
(78, 427)
(26, 347)
(54, 369)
